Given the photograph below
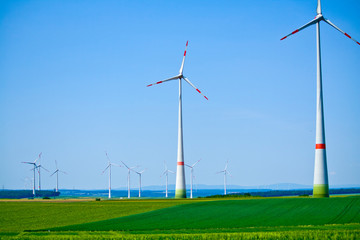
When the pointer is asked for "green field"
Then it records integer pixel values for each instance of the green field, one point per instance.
(270, 218)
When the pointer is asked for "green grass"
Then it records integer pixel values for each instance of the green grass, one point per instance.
(31, 215)
(271, 218)
(300, 233)
(232, 215)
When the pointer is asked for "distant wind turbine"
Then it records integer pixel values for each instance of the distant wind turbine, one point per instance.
(34, 169)
(38, 167)
(180, 191)
(192, 176)
(321, 183)
(166, 173)
(225, 171)
(57, 176)
(139, 173)
(128, 178)
(109, 167)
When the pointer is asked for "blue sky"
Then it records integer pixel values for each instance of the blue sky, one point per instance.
(73, 78)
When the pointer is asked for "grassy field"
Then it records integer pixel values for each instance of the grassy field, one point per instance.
(17, 216)
(271, 218)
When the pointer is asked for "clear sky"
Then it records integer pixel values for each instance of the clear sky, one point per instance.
(73, 78)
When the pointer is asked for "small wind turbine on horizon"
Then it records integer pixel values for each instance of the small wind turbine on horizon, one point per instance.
(139, 173)
(166, 173)
(192, 176)
(225, 171)
(109, 167)
(57, 176)
(321, 183)
(128, 177)
(38, 167)
(180, 189)
(34, 169)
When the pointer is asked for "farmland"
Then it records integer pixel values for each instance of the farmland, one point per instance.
(274, 218)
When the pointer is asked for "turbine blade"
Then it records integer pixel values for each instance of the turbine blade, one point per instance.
(229, 173)
(171, 171)
(169, 79)
(43, 168)
(116, 165)
(56, 164)
(303, 27)
(318, 9)
(105, 169)
(28, 162)
(63, 172)
(188, 81)
(38, 157)
(226, 165)
(220, 172)
(188, 165)
(125, 165)
(53, 173)
(183, 61)
(196, 163)
(107, 156)
(333, 25)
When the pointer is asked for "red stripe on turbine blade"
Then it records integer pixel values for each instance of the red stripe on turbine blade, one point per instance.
(159, 82)
(283, 38)
(358, 43)
(185, 53)
(198, 90)
(180, 163)
(320, 146)
(295, 31)
(187, 43)
(206, 98)
(149, 85)
(347, 35)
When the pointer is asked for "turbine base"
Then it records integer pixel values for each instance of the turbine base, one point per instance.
(321, 190)
(180, 193)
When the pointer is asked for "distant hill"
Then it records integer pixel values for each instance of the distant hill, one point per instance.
(17, 194)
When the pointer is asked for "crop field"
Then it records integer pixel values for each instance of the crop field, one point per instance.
(270, 218)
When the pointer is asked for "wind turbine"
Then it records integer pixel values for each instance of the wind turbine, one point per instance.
(35, 166)
(109, 167)
(180, 191)
(166, 173)
(139, 173)
(192, 176)
(38, 167)
(128, 178)
(225, 171)
(321, 184)
(57, 175)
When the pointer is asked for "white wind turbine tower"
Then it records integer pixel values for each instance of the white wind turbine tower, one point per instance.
(321, 184)
(109, 167)
(166, 173)
(128, 177)
(180, 190)
(34, 169)
(57, 175)
(192, 176)
(38, 169)
(139, 173)
(225, 171)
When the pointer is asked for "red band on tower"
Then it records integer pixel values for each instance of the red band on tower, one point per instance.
(320, 146)
(180, 163)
